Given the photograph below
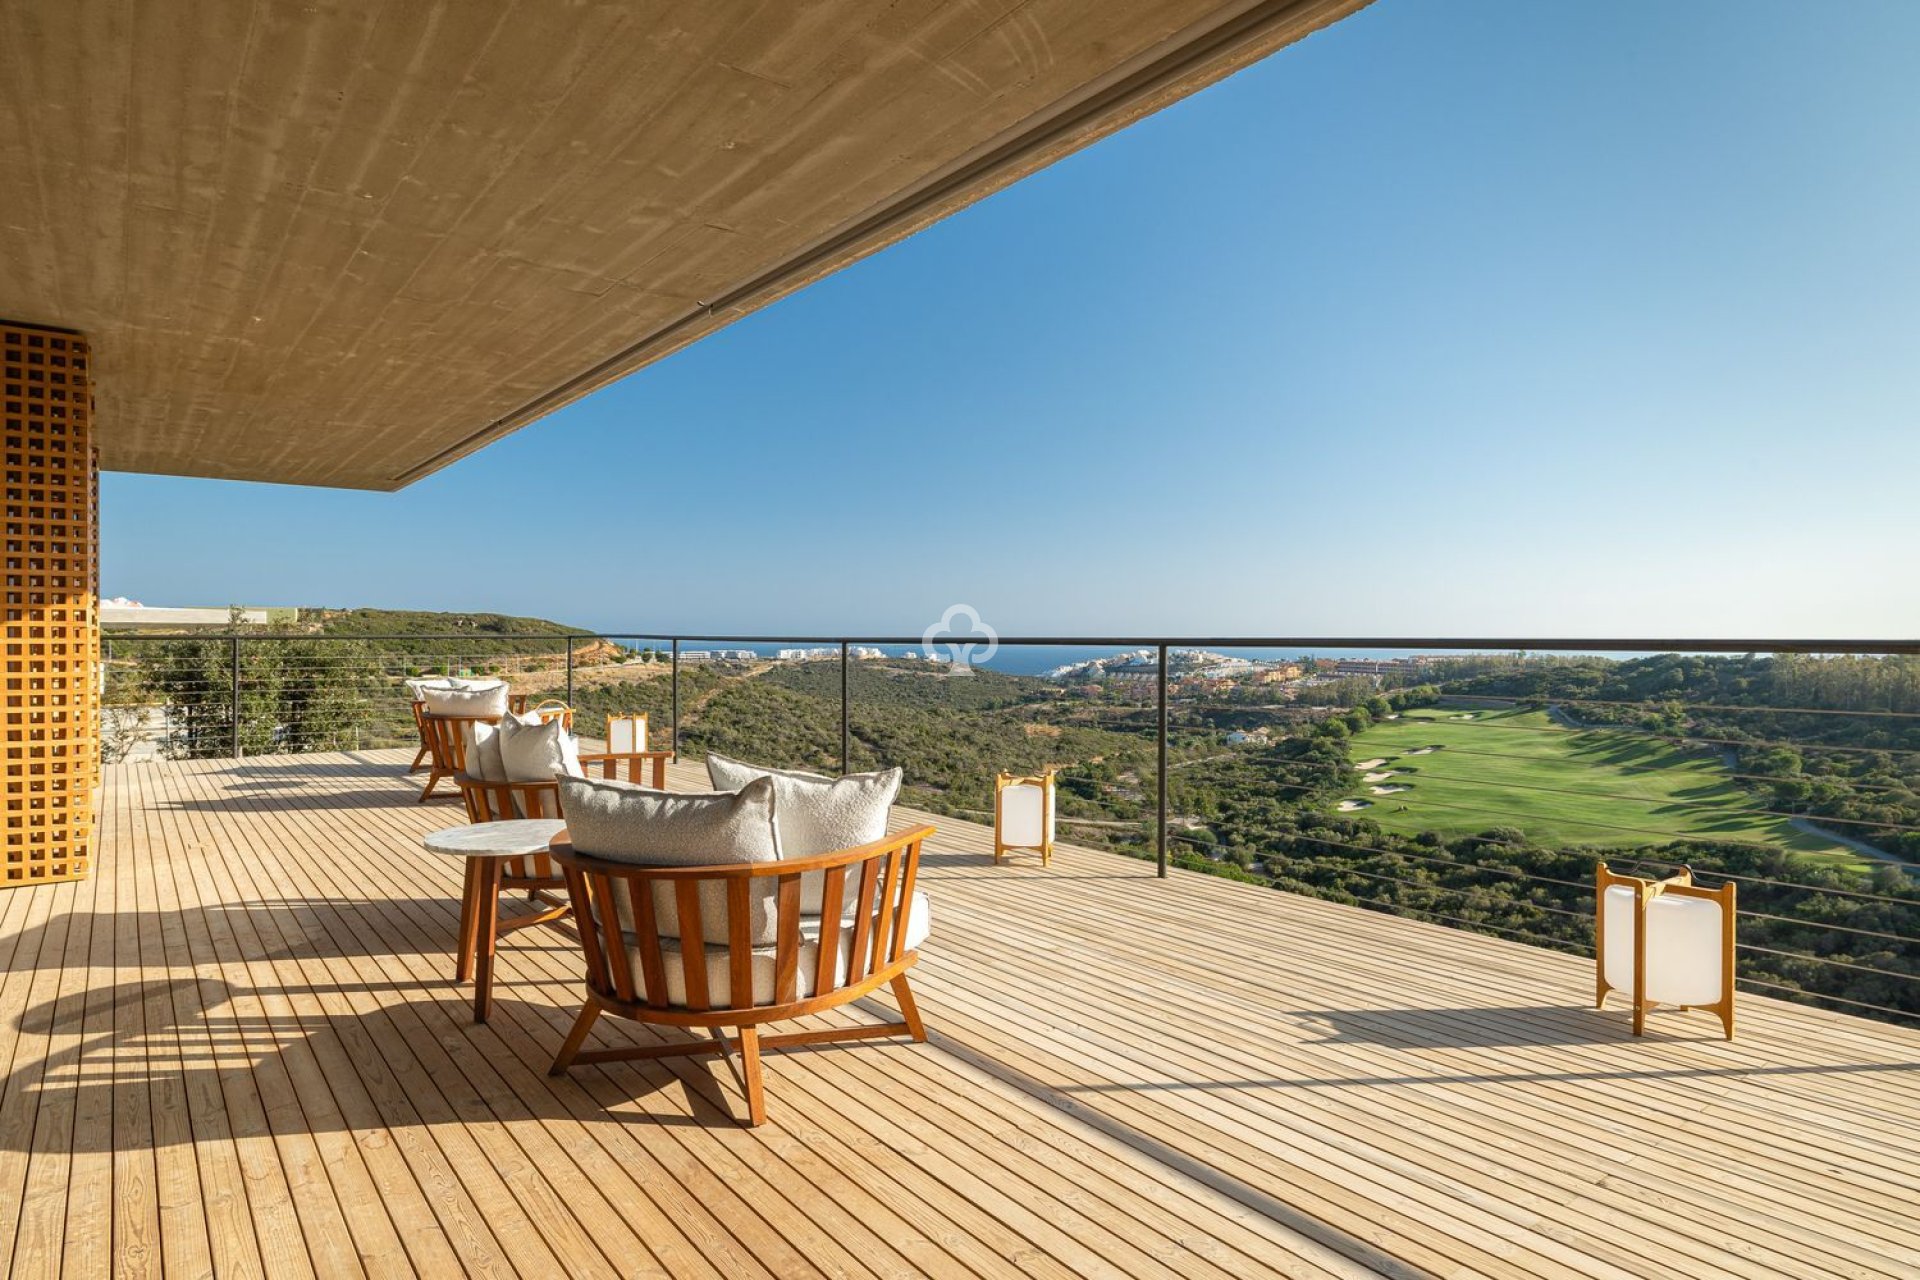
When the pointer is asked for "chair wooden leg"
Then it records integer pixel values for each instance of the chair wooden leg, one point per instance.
(909, 1011)
(433, 780)
(469, 917)
(418, 758)
(488, 923)
(750, 1072)
(589, 1014)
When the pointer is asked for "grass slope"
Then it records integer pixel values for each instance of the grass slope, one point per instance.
(1561, 786)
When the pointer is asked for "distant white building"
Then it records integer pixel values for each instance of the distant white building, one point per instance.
(122, 612)
(807, 655)
(696, 655)
(735, 655)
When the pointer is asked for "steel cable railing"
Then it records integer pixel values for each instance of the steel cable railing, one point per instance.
(243, 694)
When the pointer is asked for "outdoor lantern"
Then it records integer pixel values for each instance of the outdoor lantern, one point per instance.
(1023, 815)
(627, 735)
(1665, 942)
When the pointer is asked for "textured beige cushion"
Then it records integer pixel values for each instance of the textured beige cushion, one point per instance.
(532, 750)
(481, 751)
(720, 976)
(450, 701)
(817, 814)
(623, 822)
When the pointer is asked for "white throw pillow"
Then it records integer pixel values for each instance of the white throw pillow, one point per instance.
(481, 751)
(535, 751)
(623, 822)
(450, 701)
(817, 814)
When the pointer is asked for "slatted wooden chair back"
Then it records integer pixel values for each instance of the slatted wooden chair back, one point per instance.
(867, 908)
(446, 739)
(868, 893)
(501, 801)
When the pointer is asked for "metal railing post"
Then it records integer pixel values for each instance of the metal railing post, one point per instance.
(674, 744)
(846, 736)
(234, 660)
(1160, 841)
(569, 670)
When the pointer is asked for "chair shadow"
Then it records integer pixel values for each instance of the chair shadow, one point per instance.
(188, 1038)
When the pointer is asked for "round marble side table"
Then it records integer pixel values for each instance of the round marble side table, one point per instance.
(494, 854)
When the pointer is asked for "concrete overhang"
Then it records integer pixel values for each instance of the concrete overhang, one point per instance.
(347, 244)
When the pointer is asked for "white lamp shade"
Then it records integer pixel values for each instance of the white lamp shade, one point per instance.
(1026, 815)
(1683, 947)
(626, 734)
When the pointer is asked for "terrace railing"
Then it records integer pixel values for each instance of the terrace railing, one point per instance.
(1811, 805)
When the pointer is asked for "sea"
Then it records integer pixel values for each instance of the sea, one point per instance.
(1034, 660)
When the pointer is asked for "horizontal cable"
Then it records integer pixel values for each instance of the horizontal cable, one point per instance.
(1517, 904)
(1832, 779)
(1821, 995)
(1838, 964)
(1534, 877)
(1691, 804)
(1829, 926)
(1692, 737)
(1377, 851)
(1665, 836)
(1777, 884)
(1573, 700)
(1553, 942)
(1464, 646)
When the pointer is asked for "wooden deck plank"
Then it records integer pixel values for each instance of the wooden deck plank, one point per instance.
(238, 1050)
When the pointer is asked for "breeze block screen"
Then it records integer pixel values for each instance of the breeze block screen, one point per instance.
(52, 636)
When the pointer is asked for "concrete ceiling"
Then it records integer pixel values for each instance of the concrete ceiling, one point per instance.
(342, 243)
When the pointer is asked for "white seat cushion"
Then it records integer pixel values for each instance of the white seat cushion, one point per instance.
(720, 975)
(623, 822)
(817, 814)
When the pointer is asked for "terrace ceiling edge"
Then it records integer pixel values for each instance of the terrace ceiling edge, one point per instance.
(347, 245)
(52, 629)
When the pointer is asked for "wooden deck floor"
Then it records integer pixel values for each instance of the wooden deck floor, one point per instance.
(236, 1050)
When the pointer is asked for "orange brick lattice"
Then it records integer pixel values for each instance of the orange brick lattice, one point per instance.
(52, 633)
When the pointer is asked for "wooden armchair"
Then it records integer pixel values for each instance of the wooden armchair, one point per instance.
(481, 924)
(865, 936)
(498, 801)
(443, 741)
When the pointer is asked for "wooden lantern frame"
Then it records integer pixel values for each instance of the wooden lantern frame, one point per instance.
(641, 731)
(1045, 780)
(1645, 893)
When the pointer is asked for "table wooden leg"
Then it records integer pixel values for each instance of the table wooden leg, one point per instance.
(469, 917)
(489, 929)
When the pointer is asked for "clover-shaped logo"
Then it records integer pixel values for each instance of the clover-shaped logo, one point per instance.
(977, 642)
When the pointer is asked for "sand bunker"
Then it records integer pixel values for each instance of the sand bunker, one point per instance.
(1371, 764)
(1421, 751)
(1387, 791)
(1464, 715)
(1348, 806)
(1378, 775)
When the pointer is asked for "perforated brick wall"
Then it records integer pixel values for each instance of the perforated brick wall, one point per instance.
(52, 637)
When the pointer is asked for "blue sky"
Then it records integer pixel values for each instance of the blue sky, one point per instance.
(1463, 318)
